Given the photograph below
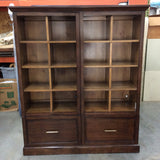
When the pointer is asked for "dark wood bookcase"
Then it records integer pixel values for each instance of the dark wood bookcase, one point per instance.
(79, 74)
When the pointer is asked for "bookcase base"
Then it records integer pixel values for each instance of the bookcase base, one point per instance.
(46, 150)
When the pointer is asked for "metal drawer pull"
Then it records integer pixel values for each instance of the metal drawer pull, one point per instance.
(109, 130)
(52, 132)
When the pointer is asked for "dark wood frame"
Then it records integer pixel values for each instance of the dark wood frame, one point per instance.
(80, 115)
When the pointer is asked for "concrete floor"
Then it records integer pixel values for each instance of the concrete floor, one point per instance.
(11, 140)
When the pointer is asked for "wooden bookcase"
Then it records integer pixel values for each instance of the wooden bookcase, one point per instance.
(80, 72)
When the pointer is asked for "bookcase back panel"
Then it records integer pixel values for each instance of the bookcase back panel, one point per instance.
(64, 75)
(35, 28)
(122, 28)
(39, 97)
(62, 28)
(38, 75)
(36, 53)
(65, 96)
(123, 100)
(96, 29)
(121, 74)
(37, 102)
(96, 75)
(135, 52)
(121, 52)
(126, 28)
(96, 52)
(95, 96)
(63, 53)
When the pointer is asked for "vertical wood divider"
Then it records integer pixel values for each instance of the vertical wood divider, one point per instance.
(49, 64)
(82, 80)
(110, 63)
(78, 61)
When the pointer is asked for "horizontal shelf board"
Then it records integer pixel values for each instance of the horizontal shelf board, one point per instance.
(65, 87)
(124, 64)
(125, 41)
(96, 106)
(35, 65)
(98, 18)
(32, 41)
(96, 86)
(123, 86)
(85, 41)
(64, 107)
(112, 41)
(96, 65)
(39, 41)
(67, 41)
(96, 41)
(122, 106)
(39, 107)
(37, 87)
(64, 65)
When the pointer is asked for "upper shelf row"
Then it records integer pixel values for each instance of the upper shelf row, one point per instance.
(64, 29)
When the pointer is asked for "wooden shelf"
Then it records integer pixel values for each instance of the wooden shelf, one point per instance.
(122, 106)
(32, 41)
(112, 41)
(96, 106)
(65, 87)
(39, 107)
(123, 86)
(96, 86)
(65, 107)
(126, 41)
(64, 65)
(68, 41)
(96, 41)
(124, 64)
(36, 65)
(37, 87)
(96, 65)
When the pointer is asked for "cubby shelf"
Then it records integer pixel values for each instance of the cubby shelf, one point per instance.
(122, 106)
(96, 41)
(64, 65)
(39, 107)
(125, 41)
(123, 86)
(112, 41)
(96, 64)
(96, 86)
(65, 107)
(96, 107)
(65, 87)
(37, 87)
(35, 65)
(30, 41)
(124, 64)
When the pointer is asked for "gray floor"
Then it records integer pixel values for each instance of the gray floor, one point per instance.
(11, 140)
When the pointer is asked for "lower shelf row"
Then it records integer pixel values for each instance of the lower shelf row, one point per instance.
(69, 102)
(71, 107)
(100, 130)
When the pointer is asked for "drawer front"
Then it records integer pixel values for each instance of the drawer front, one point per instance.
(109, 129)
(52, 131)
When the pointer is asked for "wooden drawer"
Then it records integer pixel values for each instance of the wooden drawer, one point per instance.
(52, 131)
(104, 130)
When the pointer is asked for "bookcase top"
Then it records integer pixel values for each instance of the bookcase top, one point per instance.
(66, 8)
